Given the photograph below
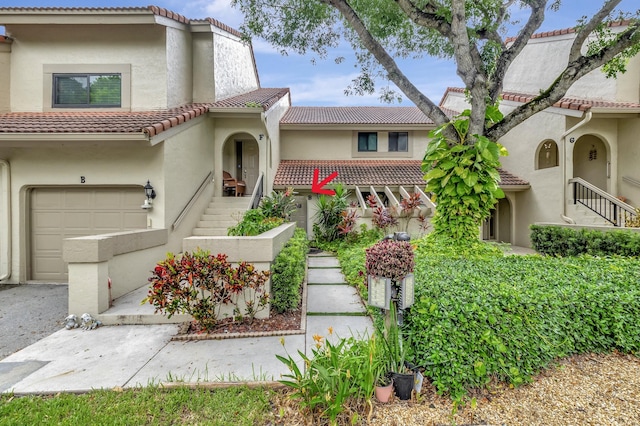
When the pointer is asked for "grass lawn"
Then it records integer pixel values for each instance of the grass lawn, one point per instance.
(143, 406)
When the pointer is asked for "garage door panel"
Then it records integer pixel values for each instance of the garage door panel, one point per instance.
(60, 213)
(47, 219)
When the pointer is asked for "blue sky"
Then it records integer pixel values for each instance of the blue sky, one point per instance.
(324, 82)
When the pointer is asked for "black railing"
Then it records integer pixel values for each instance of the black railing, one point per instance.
(603, 204)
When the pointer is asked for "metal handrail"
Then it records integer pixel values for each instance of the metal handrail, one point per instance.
(600, 202)
(207, 180)
(258, 192)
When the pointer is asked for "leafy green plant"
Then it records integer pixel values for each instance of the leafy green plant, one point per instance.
(281, 204)
(463, 176)
(336, 374)
(328, 216)
(254, 222)
(200, 284)
(390, 259)
(507, 317)
(287, 273)
(563, 241)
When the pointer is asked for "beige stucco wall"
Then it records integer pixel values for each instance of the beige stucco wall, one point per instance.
(203, 78)
(542, 60)
(234, 70)
(179, 65)
(5, 76)
(188, 158)
(141, 46)
(629, 160)
(274, 142)
(341, 144)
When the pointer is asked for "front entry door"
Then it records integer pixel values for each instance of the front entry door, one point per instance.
(250, 166)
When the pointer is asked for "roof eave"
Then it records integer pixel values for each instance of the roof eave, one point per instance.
(515, 188)
(61, 136)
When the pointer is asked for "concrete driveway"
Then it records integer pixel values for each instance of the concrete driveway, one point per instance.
(29, 313)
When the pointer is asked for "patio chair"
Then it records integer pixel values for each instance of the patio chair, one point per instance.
(228, 183)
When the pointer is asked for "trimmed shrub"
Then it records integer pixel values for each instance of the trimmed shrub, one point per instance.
(507, 317)
(288, 273)
(562, 241)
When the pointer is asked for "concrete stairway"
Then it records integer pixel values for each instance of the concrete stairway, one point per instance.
(221, 213)
(584, 216)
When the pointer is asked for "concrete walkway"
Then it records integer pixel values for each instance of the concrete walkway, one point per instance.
(140, 355)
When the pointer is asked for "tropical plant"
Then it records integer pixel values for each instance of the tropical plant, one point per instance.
(281, 204)
(328, 216)
(463, 177)
(336, 374)
(200, 284)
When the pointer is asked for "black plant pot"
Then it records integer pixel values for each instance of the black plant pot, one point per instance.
(402, 385)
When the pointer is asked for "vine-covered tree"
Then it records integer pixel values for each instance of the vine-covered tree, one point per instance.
(471, 32)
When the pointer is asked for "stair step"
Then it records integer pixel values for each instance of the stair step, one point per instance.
(209, 232)
(216, 223)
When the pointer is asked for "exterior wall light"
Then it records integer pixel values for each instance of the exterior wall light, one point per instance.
(150, 194)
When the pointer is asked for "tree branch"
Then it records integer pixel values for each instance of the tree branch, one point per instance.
(572, 73)
(508, 55)
(394, 73)
(585, 31)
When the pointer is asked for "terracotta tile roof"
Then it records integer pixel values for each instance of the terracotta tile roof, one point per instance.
(149, 122)
(565, 103)
(299, 173)
(571, 30)
(156, 10)
(355, 115)
(266, 98)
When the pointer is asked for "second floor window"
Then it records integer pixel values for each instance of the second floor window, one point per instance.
(87, 90)
(398, 141)
(367, 141)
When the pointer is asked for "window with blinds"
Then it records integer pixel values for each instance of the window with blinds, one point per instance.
(87, 90)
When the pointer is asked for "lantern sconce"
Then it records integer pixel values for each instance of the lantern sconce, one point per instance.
(379, 291)
(150, 194)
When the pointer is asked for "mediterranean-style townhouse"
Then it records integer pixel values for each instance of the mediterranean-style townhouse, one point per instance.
(124, 133)
(587, 142)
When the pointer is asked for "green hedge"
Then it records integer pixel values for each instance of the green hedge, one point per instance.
(288, 273)
(509, 316)
(563, 241)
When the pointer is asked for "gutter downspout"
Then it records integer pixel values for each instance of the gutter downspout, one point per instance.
(5, 193)
(563, 138)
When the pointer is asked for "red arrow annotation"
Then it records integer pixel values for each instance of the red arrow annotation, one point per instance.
(317, 186)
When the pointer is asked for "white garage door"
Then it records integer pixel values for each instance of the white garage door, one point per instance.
(59, 213)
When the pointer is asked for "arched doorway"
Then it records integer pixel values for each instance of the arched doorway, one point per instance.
(498, 226)
(241, 156)
(590, 161)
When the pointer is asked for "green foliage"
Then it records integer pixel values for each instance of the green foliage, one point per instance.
(279, 204)
(339, 372)
(510, 316)
(200, 284)
(329, 214)
(463, 176)
(390, 259)
(254, 222)
(239, 406)
(287, 273)
(564, 241)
